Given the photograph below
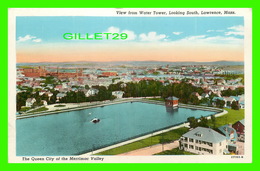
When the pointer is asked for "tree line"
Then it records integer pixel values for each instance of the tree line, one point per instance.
(144, 88)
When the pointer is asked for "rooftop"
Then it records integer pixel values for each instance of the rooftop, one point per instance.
(172, 98)
(229, 132)
(205, 134)
(242, 121)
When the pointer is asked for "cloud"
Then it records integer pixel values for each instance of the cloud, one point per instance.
(224, 40)
(151, 36)
(29, 38)
(191, 38)
(208, 31)
(131, 35)
(235, 30)
(113, 29)
(177, 33)
(25, 38)
(206, 40)
(37, 40)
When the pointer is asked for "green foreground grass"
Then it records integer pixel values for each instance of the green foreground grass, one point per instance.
(164, 137)
(175, 151)
(39, 110)
(59, 105)
(24, 109)
(157, 99)
(230, 118)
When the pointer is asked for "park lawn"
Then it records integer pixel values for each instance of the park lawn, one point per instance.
(175, 151)
(39, 110)
(24, 109)
(230, 118)
(156, 99)
(59, 105)
(164, 137)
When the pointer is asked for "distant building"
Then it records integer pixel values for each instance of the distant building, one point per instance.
(60, 95)
(110, 73)
(197, 95)
(34, 72)
(29, 102)
(44, 102)
(239, 126)
(231, 137)
(214, 101)
(58, 87)
(172, 101)
(242, 104)
(42, 92)
(118, 94)
(204, 141)
(229, 132)
(42, 72)
(91, 92)
(204, 95)
(229, 100)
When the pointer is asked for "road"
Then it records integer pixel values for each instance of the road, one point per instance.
(148, 151)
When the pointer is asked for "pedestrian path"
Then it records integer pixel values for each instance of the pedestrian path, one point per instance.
(147, 151)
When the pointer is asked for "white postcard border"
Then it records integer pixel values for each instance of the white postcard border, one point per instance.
(13, 12)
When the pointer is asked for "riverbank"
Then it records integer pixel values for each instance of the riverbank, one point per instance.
(67, 107)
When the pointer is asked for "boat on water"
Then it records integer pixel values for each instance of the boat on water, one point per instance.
(95, 120)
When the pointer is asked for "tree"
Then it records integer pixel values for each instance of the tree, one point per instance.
(87, 87)
(194, 99)
(21, 99)
(205, 101)
(53, 99)
(220, 103)
(201, 81)
(240, 90)
(236, 92)
(213, 120)
(234, 105)
(193, 122)
(203, 122)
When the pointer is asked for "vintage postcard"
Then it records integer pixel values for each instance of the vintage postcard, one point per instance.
(130, 85)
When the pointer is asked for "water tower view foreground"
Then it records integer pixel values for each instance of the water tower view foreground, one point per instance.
(153, 102)
(173, 86)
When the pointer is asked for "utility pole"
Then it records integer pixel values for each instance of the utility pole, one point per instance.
(162, 142)
(151, 140)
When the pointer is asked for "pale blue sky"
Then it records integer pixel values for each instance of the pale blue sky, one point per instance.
(51, 29)
(149, 38)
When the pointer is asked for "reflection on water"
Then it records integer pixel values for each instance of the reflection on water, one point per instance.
(171, 109)
(73, 132)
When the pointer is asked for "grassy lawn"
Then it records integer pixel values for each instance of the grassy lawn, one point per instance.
(39, 110)
(175, 151)
(230, 118)
(59, 105)
(158, 99)
(164, 137)
(24, 109)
